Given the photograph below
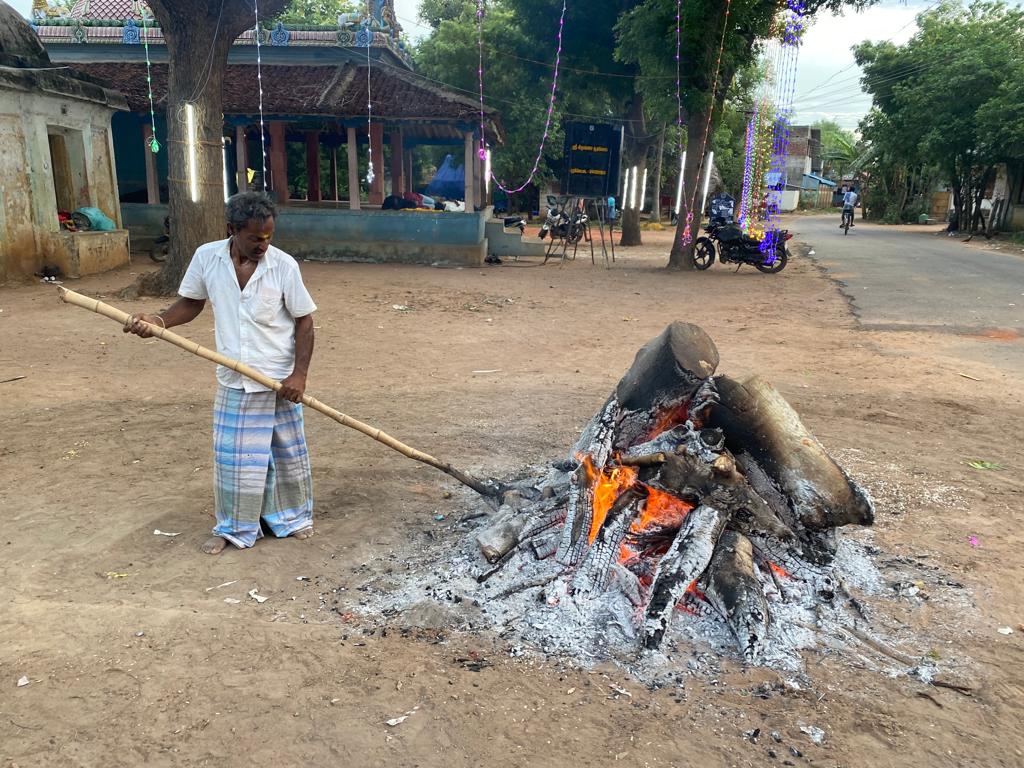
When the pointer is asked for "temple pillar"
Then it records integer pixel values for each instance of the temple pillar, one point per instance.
(152, 182)
(377, 158)
(353, 168)
(242, 158)
(410, 182)
(278, 162)
(467, 167)
(313, 167)
(397, 164)
(334, 174)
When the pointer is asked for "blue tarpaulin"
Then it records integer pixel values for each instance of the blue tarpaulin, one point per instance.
(449, 181)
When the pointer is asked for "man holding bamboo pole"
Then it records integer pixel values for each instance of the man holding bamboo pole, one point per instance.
(264, 318)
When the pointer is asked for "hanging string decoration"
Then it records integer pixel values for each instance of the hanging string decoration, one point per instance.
(687, 236)
(259, 82)
(551, 103)
(482, 148)
(154, 145)
(370, 175)
(681, 187)
(791, 35)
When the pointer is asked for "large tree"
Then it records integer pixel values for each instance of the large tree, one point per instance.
(199, 35)
(950, 97)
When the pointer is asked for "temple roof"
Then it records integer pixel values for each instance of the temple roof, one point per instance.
(332, 91)
(107, 9)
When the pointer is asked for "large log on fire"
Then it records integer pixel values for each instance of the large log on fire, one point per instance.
(677, 492)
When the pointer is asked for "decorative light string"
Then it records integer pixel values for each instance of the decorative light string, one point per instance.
(792, 30)
(482, 149)
(681, 186)
(259, 81)
(687, 237)
(551, 107)
(370, 175)
(154, 145)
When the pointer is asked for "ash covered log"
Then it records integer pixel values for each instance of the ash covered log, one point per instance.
(594, 572)
(756, 419)
(685, 561)
(735, 591)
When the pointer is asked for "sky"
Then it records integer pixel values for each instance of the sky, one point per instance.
(827, 83)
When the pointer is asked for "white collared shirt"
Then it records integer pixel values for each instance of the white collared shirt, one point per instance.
(256, 325)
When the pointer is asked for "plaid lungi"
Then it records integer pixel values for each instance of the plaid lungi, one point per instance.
(261, 466)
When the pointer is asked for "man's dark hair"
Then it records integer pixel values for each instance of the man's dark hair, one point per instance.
(248, 206)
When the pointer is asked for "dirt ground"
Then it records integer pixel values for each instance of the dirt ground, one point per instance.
(134, 657)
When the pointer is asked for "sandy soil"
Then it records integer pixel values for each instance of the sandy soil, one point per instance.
(133, 656)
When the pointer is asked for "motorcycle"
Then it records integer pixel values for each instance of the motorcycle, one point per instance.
(162, 245)
(560, 224)
(734, 247)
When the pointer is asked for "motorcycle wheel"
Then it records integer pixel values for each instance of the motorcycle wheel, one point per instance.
(781, 257)
(158, 253)
(703, 253)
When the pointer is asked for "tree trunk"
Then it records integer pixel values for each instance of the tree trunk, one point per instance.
(656, 187)
(681, 256)
(198, 36)
(634, 155)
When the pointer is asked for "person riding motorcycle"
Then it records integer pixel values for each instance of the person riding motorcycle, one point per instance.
(849, 201)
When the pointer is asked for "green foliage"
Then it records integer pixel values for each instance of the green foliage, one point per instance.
(317, 11)
(839, 149)
(951, 98)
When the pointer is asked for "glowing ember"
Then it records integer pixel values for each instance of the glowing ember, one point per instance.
(662, 510)
(778, 570)
(607, 486)
(669, 418)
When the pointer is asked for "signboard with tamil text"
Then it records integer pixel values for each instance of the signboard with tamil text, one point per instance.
(592, 153)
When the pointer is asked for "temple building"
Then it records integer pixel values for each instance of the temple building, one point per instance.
(286, 121)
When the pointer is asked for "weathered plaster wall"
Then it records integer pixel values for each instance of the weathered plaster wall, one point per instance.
(27, 194)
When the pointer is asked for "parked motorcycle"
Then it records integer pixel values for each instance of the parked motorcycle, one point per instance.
(563, 224)
(162, 245)
(734, 247)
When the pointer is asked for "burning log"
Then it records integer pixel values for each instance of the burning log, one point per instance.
(671, 488)
(757, 420)
(736, 592)
(680, 568)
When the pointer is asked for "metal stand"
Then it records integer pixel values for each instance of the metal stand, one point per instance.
(579, 212)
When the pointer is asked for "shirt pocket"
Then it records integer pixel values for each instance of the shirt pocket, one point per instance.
(266, 305)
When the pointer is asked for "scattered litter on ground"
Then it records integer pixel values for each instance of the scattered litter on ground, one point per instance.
(257, 597)
(158, 532)
(814, 733)
(115, 575)
(23, 681)
(1005, 631)
(225, 584)
(973, 540)
(397, 720)
(489, 370)
(981, 464)
(400, 307)
(234, 600)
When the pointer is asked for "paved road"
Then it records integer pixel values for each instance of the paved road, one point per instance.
(901, 278)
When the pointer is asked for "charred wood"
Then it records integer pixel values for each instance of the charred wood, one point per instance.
(736, 592)
(593, 573)
(756, 419)
(672, 364)
(686, 560)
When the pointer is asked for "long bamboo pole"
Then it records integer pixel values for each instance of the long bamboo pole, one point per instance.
(94, 305)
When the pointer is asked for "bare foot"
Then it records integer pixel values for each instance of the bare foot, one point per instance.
(302, 533)
(214, 545)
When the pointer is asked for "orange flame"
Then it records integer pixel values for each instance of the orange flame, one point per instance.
(661, 509)
(669, 418)
(607, 485)
(778, 570)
